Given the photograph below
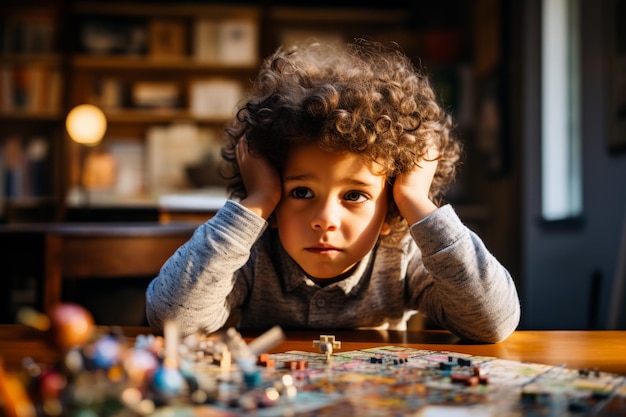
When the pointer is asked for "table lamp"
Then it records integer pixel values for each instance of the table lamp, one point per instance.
(86, 125)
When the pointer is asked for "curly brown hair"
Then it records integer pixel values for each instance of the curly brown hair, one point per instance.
(363, 97)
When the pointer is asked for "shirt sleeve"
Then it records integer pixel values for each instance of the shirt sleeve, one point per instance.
(471, 293)
(194, 283)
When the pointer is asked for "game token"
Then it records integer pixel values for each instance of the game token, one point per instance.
(71, 325)
(327, 344)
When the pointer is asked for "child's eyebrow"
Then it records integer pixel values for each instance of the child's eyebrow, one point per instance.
(301, 177)
(359, 183)
(347, 181)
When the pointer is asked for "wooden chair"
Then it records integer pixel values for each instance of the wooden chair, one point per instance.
(79, 251)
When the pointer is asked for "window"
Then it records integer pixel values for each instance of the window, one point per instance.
(561, 178)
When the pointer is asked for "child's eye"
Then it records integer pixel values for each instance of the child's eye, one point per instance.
(301, 192)
(355, 196)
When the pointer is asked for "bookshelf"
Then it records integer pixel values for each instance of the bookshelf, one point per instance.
(168, 77)
(31, 107)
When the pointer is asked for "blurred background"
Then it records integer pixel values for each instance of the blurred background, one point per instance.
(537, 89)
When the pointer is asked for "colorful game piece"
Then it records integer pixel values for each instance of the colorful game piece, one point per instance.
(14, 398)
(376, 359)
(296, 365)
(465, 379)
(236, 345)
(139, 363)
(252, 378)
(327, 344)
(71, 325)
(105, 352)
(267, 341)
(464, 362)
(266, 361)
(168, 381)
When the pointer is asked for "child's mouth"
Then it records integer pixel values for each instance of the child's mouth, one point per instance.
(322, 250)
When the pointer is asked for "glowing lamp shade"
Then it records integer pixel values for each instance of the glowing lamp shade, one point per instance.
(86, 124)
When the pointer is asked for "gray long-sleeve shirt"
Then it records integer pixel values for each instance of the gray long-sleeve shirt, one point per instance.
(234, 262)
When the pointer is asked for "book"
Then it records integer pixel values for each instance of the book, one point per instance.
(155, 94)
(204, 47)
(25, 167)
(217, 97)
(37, 161)
(6, 88)
(170, 150)
(237, 42)
(167, 38)
(14, 172)
(34, 89)
(129, 178)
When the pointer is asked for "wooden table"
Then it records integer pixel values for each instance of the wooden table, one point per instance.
(605, 350)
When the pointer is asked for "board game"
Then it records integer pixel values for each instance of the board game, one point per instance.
(395, 380)
(222, 375)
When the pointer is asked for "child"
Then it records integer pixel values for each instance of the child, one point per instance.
(338, 159)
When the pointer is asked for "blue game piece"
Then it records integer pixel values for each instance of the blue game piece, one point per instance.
(168, 381)
(106, 352)
(252, 378)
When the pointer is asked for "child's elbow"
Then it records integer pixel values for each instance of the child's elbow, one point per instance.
(494, 330)
(503, 328)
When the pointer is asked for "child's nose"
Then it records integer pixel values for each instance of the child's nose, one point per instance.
(326, 216)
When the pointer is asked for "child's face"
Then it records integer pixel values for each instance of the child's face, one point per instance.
(332, 211)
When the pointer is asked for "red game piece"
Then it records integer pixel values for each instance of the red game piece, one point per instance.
(465, 379)
(264, 360)
(297, 365)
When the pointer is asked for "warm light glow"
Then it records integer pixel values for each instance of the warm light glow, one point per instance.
(86, 124)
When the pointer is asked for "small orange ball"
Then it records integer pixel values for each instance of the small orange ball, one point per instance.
(71, 325)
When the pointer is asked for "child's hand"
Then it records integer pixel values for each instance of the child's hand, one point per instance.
(410, 190)
(262, 181)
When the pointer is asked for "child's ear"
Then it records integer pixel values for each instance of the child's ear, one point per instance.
(385, 229)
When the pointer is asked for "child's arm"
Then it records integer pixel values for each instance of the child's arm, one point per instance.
(195, 283)
(472, 294)
(467, 290)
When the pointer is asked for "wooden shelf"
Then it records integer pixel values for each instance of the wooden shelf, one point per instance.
(168, 10)
(52, 116)
(31, 59)
(146, 62)
(158, 116)
(338, 15)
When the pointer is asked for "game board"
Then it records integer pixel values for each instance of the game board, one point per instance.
(222, 375)
(377, 382)
(403, 381)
